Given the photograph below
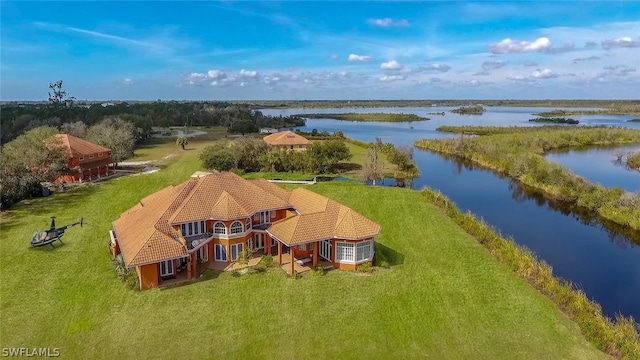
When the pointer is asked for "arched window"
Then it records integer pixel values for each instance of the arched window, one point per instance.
(236, 227)
(248, 224)
(219, 228)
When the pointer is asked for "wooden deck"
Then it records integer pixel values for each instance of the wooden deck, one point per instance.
(224, 266)
(300, 269)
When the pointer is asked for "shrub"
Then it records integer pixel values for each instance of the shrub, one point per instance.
(365, 268)
(318, 270)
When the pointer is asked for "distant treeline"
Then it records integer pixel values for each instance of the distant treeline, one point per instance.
(376, 117)
(18, 118)
(630, 108)
(441, 102)
(470, 110)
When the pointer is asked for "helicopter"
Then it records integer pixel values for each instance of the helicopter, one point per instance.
(47, 237)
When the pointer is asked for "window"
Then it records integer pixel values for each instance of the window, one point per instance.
(273, 214)
(219, 228)
(291, 147)
(220, 252)
(345, 252)
(90, 156)
(81, 158)
(325, 249)
(259, 241)
(236, 249)
(236, 227)
(273, 242)
(166, 268)
(302, 247)
(192, 228)
(248, 224)
(363, 251)
(203, 253)
(100, 154)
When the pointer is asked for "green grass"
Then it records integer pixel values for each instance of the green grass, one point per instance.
(444, 297)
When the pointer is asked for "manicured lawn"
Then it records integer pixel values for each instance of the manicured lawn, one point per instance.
(443, 298)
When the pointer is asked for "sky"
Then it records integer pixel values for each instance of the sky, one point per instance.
(329, 50)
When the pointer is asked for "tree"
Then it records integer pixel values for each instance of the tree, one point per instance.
(215, 157)
(322, 156)
(247, 153)
(115, 134)
(77, 129)
(182, 141)
(58, 97)
(243, 126)
(371, 170)
(30, 159)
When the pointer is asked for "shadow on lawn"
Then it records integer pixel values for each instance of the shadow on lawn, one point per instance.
(385, 253)
(61, 202)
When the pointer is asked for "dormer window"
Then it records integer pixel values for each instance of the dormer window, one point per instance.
(100, 154)
(91, 156)
(81, 157)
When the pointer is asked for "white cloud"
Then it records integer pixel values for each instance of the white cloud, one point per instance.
(127, 81)
(389, 78)
(517, 78)
(388, 22)
(436, 67)
(592, 57)
(391, 65)
(509, 46)
(216, 74)
(543, 74)
(247, 73)
(360, 58)
(621, 42)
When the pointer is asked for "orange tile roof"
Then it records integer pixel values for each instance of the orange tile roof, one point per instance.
(146, 235)
(285, 138)
(226, 196)
(77, 146)
(321, 218)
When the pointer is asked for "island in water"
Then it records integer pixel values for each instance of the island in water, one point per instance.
(470, 110)
(555, 120)
(377, 117)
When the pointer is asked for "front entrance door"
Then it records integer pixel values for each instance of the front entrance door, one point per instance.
(325, 249)
(220, 252)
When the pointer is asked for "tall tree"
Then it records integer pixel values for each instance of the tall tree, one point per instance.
(372, 169)
(115, 134)
(30, 159)
(77, 129)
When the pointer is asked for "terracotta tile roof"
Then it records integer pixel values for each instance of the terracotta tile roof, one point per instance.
(146, 235)
(321, 218)
(77, 146)
(285, 138)
(225, 196)
(143, 232)
(272, 188)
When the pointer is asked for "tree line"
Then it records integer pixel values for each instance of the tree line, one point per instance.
(253, 155)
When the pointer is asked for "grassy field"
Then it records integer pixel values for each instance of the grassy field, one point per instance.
(444, 296)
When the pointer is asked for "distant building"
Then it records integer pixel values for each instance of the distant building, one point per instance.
(287, 140)
(87, 161)
(268, 131)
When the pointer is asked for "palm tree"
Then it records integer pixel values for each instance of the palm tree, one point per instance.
(182, 141)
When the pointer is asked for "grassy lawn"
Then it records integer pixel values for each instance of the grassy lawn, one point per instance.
(444, 296)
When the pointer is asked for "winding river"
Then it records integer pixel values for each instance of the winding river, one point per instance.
(599, 257)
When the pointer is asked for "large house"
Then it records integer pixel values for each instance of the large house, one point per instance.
(210, 220)
(87, 161)
(287, 140)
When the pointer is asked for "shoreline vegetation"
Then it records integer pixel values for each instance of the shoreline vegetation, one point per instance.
(618, 337)
(615, 109)
(555, 120)
(633, 161)
(519, 153)
(364, 117)
(470, 110)
(634, 120)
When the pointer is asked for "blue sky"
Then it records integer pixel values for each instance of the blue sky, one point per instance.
(243, 50)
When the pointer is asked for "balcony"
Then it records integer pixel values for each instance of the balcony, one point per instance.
(196, 240)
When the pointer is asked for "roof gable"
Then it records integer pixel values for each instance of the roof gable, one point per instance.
(76, 146)
(285, 138)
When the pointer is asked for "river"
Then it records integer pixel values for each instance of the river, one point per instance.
(598, 257)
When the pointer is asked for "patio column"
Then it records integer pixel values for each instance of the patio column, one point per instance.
(228, 253)
(194, 264)
(189, 268)
(267, 244)
(279, 252)
(316, 246)
(292, 261)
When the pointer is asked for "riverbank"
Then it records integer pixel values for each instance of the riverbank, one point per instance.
(619, 338)
(517, 152)
(366, 117)
(444, 295)
(633, 161)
